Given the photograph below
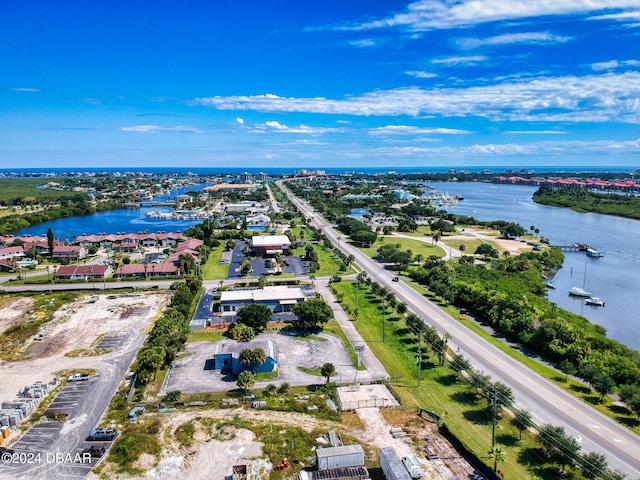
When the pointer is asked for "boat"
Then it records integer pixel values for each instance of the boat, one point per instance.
(579, 292)
(592, 252)
(550, 284)
(594, 302)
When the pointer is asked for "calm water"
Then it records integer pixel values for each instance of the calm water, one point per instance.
(128, 220)
(615, 277)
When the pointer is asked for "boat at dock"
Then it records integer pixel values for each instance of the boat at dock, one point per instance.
(592, 252)
(594, 302)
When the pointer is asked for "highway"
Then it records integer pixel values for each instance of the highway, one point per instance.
(548, 403)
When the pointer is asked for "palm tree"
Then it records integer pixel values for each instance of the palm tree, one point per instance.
(498, 455)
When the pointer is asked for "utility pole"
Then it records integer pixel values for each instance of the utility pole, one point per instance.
(357, 288)
(384, 308)
(494, 405)
(419, 357)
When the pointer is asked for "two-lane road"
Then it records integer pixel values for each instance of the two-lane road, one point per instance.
(547, 402)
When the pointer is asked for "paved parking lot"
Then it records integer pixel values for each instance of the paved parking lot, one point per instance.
(295, 264)
(193, 373)
(34, 453)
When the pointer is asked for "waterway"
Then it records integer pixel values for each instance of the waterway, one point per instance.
(615, 278)
(127, 220)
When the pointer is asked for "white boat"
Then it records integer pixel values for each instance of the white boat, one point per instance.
(592, 252)
(579, 292)
(594, 302)
(550, 284)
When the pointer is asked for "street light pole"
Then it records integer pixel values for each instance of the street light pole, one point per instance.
(384, 308)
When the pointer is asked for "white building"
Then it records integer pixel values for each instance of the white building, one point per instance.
(278, 299)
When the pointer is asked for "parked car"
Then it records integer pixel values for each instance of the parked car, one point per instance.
(6, 451)
(78, 377)
(103, 434)
(94, 451)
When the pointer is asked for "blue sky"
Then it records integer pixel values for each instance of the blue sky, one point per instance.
(357, 83)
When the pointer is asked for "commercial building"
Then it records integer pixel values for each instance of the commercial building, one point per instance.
(270, 244)
(278, 299)
(227, 356)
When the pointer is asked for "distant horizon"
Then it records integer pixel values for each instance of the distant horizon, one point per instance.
(356, 84)
(328, 170)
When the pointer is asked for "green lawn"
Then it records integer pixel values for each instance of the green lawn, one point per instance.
(426, 249)
(464, 413)
(213, 269)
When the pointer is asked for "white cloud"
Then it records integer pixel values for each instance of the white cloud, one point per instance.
(613, 64)
(364, 43)
(546, 148)
(410, 130)
(26, 89)
(535, 132)
(592, 98)
(469, 60)
(240, 120)
(631, 19)
(513, 38)
(421, 74)
(158, 129)
(441, 14)
(301, 129)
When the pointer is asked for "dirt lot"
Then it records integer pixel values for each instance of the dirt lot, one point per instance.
(75, 327)
(213, 456)
(12, 310)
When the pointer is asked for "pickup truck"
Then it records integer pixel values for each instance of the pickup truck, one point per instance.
(78, 377)
(103, 434)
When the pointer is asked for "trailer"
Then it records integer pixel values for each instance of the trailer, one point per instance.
(392, 465)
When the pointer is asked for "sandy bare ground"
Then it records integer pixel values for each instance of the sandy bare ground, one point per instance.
(514, 247)
(75, 326)
(213, 456)
(13, 310)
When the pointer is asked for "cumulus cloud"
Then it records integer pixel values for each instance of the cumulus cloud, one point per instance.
(613, 64)
(240, 120)
(410, 130)
(442, 14)
(513, 38)
(591, 98)
(158, 129)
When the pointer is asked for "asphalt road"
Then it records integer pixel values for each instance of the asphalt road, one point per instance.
(548, 403)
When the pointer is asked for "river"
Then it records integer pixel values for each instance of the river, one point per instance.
(615, 278)
(127, 220)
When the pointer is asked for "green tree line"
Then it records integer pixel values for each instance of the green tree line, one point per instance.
(510, 297)
(583, 200)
